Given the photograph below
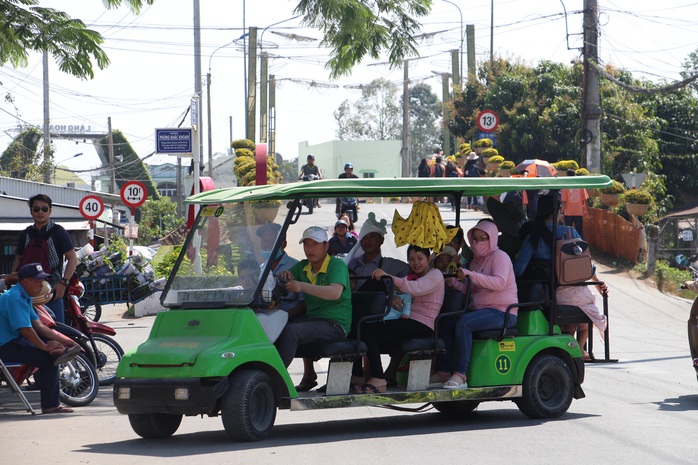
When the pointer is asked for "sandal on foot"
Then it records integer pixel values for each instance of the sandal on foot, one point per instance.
(306, 385)
(59, 409)
(368, 388)
(438, 379)
(64, 354)
(456, 381)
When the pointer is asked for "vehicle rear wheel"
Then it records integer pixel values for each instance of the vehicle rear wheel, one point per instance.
(78, 381)
(248, 408)
(458, 407)
(154, 425)
(548, 388)
(310, 203)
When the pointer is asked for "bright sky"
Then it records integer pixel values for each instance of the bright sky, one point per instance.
(150, 81)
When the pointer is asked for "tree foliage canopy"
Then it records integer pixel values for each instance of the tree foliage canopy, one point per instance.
(28, 27)
(374, 116)
(356, 28)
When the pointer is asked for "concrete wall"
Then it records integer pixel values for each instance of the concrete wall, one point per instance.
(381, 158)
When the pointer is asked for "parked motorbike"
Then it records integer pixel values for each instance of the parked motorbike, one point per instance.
(307, 202)
(107, 352)
(350, 206)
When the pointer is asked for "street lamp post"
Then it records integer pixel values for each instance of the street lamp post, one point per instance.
(55, 167)
(460, 49)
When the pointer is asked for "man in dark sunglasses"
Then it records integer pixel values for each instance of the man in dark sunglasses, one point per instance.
(49, 244)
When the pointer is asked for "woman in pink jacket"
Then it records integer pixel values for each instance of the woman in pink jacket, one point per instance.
(426, 286)
(493, 289)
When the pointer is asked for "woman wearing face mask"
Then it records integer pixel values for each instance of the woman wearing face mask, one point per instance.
(426, 286)
(493, 289)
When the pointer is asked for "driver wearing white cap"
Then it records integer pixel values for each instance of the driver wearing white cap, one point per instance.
(324, 281)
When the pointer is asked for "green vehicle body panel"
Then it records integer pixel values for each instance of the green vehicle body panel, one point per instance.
(190, 344)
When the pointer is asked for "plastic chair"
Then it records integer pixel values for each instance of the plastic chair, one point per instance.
(13, 385)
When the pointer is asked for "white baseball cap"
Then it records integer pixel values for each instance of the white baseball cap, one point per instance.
(315, 233)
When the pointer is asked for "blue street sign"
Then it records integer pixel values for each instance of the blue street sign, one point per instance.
(488, 135)
(173, 141)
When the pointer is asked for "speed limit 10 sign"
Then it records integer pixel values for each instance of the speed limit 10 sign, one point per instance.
(487, 121)
(91, 207)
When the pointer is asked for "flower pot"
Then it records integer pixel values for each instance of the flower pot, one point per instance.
(593, 192)
(492, 166)
(610, 199)
(637, 209)
(504, 172)
(479, 150)
(266, 214)
(485, 160)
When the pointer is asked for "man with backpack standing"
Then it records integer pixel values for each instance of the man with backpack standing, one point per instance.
(47, 243)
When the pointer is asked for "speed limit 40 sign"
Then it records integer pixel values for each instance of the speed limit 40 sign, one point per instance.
(487, 121)
(91, 207)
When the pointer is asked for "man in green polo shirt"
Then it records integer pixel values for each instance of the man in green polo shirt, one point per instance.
(324, 282)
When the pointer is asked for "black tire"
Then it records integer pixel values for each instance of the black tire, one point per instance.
(108, 354)
(78, 381)
(548, 388)
(90, 309)
(310, 203)
(248, 408)
(457, 407)
(154, 425)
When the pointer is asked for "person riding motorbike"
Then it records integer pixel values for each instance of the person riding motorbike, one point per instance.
(310, 171)
(348, 174)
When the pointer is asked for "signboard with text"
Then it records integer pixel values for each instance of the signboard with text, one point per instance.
(173, 141)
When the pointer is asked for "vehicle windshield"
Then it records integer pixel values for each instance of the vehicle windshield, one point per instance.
(225, 253)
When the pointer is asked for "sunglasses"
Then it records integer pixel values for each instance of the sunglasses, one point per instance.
(44, 209)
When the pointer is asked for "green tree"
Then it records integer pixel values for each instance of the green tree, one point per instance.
(425, 119)
(28, 27)
(20, 160)
(374, 116)
(356, 28)
(158, 217)
(127, 165)
(289, 171)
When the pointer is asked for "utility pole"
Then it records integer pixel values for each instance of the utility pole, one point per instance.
(592, 95)
(455, 67)
(405, 150)
(272, 115)
(48, 156)
(252, 86)
(446, 114)
(208, 125)
(470, 46)
(263, 93)
(112, 168)
(197, 66)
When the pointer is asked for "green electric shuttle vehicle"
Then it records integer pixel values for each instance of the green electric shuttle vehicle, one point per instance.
(212, 353)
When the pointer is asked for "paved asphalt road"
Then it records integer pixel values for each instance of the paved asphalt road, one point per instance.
(641, 410)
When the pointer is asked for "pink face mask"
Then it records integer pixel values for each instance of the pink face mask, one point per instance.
(481, 249)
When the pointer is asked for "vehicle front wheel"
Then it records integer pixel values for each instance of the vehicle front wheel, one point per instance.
(457, 407)
(248, 408)
(78, 381)
(548, 388)
(154, 425)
